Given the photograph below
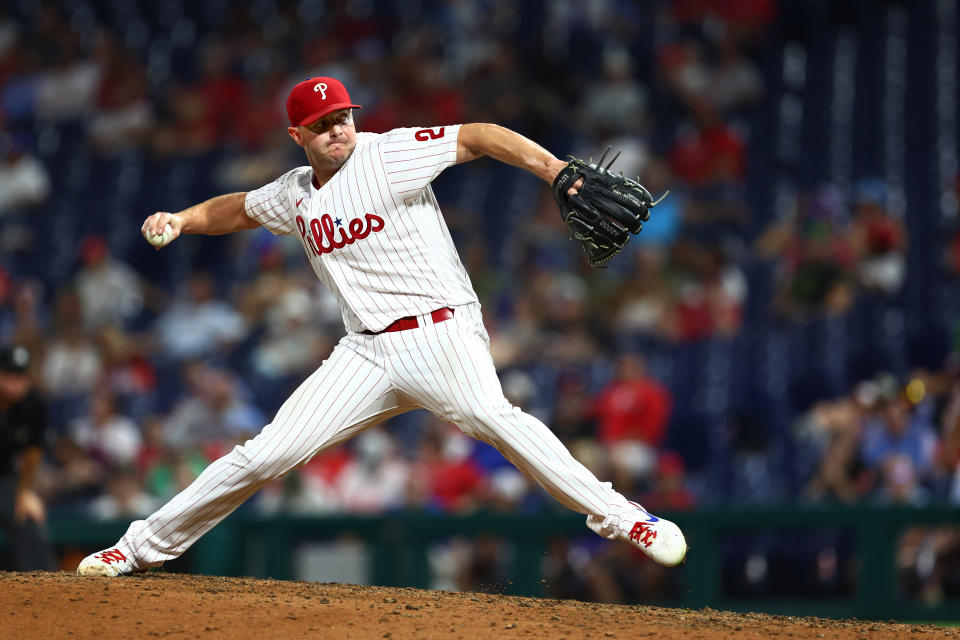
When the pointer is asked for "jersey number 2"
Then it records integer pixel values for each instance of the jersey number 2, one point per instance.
(428, 134)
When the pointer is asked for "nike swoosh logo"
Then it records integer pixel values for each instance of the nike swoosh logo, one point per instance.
(653, 518)
(299, 201)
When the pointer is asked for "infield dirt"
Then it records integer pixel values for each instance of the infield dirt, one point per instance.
(62, 605)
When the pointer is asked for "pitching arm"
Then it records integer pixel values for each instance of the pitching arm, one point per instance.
(216, 216)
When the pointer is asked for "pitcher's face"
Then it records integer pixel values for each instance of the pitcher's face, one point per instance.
(328, 141)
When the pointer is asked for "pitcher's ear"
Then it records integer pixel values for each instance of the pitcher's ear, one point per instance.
(295, 134)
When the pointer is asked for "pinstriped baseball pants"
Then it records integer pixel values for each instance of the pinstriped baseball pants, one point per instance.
(445, 368)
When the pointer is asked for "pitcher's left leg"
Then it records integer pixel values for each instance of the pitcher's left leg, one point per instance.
(452, 374)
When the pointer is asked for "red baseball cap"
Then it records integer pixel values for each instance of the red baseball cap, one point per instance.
(312, 99)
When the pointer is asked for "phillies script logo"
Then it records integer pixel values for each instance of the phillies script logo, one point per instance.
(324, 236)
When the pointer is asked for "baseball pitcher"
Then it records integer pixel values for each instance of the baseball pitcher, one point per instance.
(371, 228)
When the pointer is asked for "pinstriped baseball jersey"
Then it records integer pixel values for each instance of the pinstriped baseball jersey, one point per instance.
(374, 233)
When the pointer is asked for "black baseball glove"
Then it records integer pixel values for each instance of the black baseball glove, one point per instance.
(606, 210)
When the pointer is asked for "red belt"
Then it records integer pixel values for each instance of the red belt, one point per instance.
(410, 322)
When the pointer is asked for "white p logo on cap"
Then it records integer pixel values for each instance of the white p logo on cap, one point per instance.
(322, 88)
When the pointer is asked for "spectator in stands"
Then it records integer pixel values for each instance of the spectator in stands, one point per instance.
(256, 126)
(198, 324)
(687, 76)
(496, 88)
(832, 430)
(815, 254)
(711, 91)
(616, 102)
(878, 239)
(260, 121)
(734, 82)
(645, 305)
(165, 470)
(571, 416)
(709, 157)
(106, 436)
(215, 415)
(425, 94)
(443, 477)
(633, 406)
(516, 334)
(293, 343)
(123, 112)
(297, 494)
(223, 93)
(669, 491)
(240, 172)
(127, 372)
(900, 482)
(631, 414)
(110, 291)
(725, 289)
(183, 129)
(124, 498)
(72, 364)
(66, 88)
(312, 489)
(24, 180)
(375, 480)
(509, 491)
(543, 240)
(564, 300)
(154, 450)
(836, 477)
(35, 49)
(270, 277)
(710, 291)
(899, 444)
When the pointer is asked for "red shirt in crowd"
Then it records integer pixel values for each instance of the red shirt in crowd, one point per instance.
(635, 409)
(455, 484)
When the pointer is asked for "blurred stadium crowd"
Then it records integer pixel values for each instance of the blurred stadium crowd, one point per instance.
(783, 329)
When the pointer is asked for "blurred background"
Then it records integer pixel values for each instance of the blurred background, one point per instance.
(773, 361)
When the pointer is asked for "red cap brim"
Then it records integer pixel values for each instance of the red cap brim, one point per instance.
(330, 108)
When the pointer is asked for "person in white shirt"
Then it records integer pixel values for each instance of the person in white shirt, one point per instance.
(24, 181)
(109, 437)
(371, 228)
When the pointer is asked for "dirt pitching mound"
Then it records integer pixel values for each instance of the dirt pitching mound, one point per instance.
(61, 605)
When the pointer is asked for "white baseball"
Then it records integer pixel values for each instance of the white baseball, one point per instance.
(162, 239)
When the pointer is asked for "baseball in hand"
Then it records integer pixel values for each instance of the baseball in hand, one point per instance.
(162, 239)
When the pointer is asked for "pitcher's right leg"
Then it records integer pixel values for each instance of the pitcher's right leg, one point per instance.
(349, 392)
